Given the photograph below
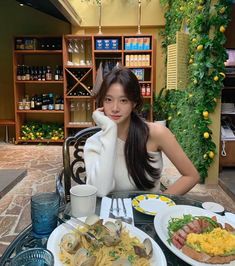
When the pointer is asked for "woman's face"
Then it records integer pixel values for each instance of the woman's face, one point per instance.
(116, 104)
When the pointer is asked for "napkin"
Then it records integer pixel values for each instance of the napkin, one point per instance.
(106, 204)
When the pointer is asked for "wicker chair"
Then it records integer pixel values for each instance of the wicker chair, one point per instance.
(73, 163)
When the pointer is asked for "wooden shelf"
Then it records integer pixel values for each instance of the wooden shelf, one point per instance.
(138, 66)
(107, 51)
(78, 97)
(40, 81)
(41, 140)
(137, 51)
(41, 111)
(78, 66)
(38, 51)
(79, 125)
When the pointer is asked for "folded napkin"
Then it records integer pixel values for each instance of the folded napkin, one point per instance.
(106, 204)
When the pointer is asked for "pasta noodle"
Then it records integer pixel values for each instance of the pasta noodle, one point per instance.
(105, 255)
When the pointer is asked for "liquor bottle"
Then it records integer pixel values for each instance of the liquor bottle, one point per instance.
(61, 103)
(57, 73)
(35, 77)
(148, 90)
(32, 73)
(38, 103)
(57, 103)
(23, 72)
(48, 73)
(32, 102)
(18, 73)
(27, 73)
(51, 101)
(39, 73)
(44, 101)
(44, 73)
(143, 90)
(61, 73)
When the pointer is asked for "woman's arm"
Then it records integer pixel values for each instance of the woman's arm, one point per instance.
(99, 154)
(169, 145)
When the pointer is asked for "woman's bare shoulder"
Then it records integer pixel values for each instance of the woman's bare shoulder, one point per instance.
(156, 130)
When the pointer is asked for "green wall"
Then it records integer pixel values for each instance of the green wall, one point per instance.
(14, 21)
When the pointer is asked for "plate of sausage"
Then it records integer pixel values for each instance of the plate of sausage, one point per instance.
(197, 236)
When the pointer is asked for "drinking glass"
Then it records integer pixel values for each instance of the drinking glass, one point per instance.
(33, 257)
(44, 212)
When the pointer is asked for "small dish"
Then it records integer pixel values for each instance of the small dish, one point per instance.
(151, 204)
(213, 207)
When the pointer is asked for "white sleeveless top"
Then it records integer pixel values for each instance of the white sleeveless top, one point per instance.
(122, 181)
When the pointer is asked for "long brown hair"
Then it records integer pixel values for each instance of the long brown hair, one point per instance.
(137, 158)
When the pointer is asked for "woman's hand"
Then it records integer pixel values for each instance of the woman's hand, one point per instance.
(101, 119)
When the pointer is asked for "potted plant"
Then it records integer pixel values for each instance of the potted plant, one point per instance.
(160, 107)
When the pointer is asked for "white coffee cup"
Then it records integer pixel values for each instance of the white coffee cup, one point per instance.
(83, 200)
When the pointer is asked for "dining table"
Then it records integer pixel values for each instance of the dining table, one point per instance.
(144, 222)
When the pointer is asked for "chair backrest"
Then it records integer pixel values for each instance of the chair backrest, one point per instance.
(73, 160)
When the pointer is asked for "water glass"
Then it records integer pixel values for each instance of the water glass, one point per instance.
(33, 257)
(44, 212)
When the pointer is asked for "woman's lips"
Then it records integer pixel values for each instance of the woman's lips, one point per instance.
(115, 117)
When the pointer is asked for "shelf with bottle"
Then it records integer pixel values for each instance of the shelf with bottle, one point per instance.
(80, 113)
(79, 82)
(44, 103)
(38, 43)
(32, 74)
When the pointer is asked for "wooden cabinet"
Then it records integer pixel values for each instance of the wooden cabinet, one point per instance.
(78, 58)
(82, 58)
(35, 60)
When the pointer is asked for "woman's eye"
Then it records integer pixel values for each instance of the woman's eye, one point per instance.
(107, 100)
(124, 100)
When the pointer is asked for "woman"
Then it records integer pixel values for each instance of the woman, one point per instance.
(126, 153)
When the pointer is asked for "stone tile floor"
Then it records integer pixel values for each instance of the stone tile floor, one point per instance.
(43, 163)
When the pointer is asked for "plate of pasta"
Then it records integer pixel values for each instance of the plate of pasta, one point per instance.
(127, 245)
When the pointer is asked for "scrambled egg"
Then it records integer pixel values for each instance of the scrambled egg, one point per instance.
(217, 242)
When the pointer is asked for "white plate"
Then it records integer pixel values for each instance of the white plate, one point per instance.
(151, 204)
(158, 257)
(161, 222)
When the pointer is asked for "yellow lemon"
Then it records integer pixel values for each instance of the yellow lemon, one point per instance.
(211, 154)
(205, 114)
(199, 47)
(190, 95)
(199, 7)
(195, 82)
(169, 118)
(194, 40)
(190, 61)
(222, 74)
(205, 156)
(222, 10)
(222, 29)
(206, 135)
(216, 78)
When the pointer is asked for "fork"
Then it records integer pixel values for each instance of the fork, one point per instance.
(88, 234)
(124, 218)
